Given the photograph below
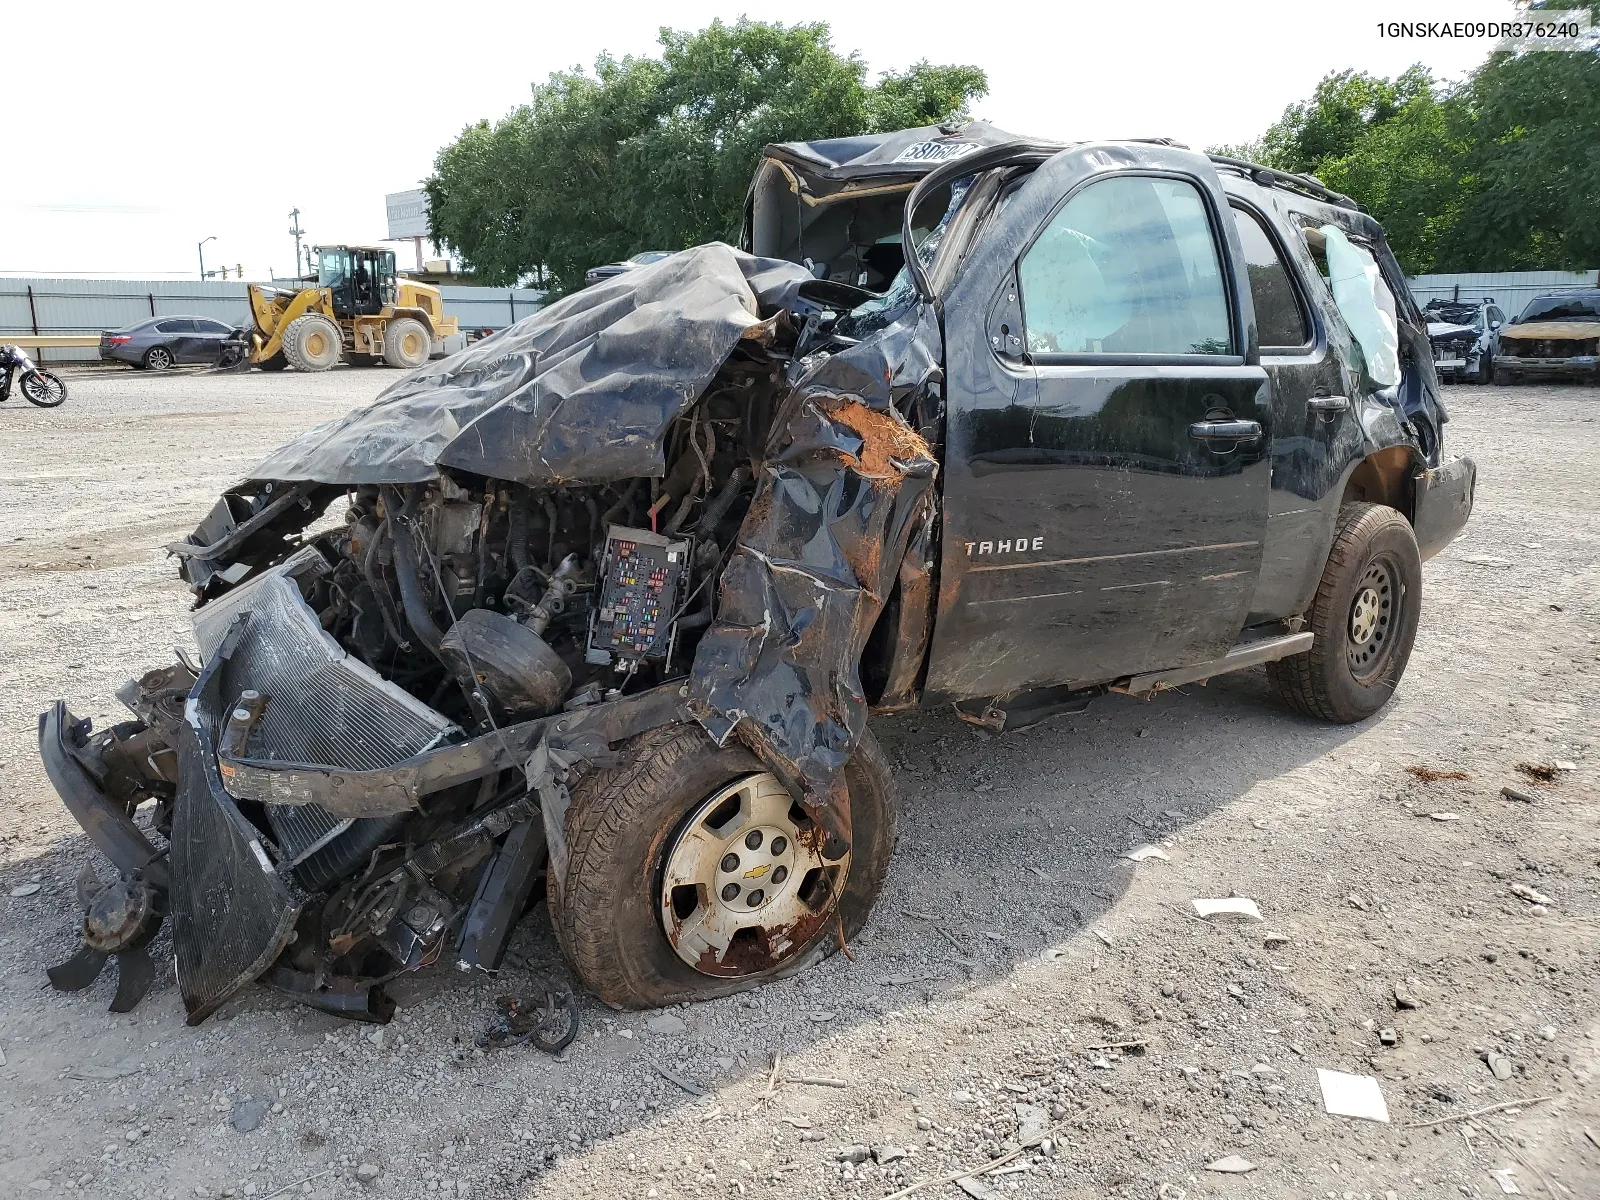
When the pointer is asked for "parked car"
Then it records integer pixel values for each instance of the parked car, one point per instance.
(1465, 336)
(610, 270)
(160, 343)
(616, 592)
(1557, 336)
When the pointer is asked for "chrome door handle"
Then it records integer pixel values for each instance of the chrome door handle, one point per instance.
(1328, 405)
(1225, 431)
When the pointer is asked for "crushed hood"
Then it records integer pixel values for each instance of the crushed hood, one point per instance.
(580, 392)
(1445, 330)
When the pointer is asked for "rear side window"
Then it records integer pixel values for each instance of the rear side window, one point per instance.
(211, 327)
(1280, 318)
(1129, 266)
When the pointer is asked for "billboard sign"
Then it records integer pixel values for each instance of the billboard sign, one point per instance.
(408, 214)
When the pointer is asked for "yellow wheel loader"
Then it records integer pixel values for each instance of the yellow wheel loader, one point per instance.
(359, 309)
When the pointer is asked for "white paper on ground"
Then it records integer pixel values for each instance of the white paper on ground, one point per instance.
(1140, 853)
(1352, 1096)
(1231, 1165)
(1239, 906)
(1508, 1185)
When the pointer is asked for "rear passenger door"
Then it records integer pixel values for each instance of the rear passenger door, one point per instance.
(1314, 428)
(1106, 473)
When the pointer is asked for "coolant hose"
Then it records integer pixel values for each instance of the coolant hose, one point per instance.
(405, 569)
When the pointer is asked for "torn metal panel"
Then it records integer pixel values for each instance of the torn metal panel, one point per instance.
(846, 485)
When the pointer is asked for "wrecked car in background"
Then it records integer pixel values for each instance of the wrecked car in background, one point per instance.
(1556, 337)
(1465, 337)
(602, 605)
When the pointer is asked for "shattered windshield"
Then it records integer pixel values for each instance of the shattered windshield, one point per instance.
(882, 310)
(1562, 308)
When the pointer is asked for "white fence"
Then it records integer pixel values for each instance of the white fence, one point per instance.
(88, 306)
(1511, 290)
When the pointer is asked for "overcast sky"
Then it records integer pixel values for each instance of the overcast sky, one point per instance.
(135, 130)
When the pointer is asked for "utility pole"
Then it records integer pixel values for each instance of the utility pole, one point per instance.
(294, 215)
(201, 247)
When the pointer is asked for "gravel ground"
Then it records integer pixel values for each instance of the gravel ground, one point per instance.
(1011, 954)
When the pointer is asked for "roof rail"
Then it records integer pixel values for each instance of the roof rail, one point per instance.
(1307, 185)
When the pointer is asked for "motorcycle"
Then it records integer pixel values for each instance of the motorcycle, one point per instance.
(38, 386)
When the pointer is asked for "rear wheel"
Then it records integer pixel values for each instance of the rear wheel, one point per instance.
(312, 343)
(159, 358)
(406, 343)
(691, 872)
(1364, 620)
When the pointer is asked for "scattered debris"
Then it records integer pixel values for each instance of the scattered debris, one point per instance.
(248, 1115)
(1590, 1134)
(1134, 1044)
(1345, 1095)
(1429, 775)
(25, 889)
(367, 1172)
(1565, 766)
(1523, 892)
(884, 1155)
(815, 1081)
(1404, 998)
(1500, 1065)
(1543, 772)
(853, 1154)
(1445, 816)
(1511, 793)
(1388, 1037)
(1231, 1164)
(1356, 901)
(688, 1085)
(977, 1188)
(1508, 1185)
(1033, 1123)
(1140, 853)
(1240, 906)
(666, 1023)
(550, 1026)
(1103, 936)
(1275, 939)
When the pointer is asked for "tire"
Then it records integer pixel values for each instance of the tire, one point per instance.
(607, 908)
(406, 343)
(276, 363)
(1485, 375)
(1372, 583)
(312, 343)
(44, 389)
(159, 358)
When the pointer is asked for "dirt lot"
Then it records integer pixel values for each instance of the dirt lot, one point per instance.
(1012, 951)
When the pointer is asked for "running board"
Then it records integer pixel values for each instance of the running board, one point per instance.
(1247, 654)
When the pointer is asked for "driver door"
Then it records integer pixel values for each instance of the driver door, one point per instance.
(1106, 473)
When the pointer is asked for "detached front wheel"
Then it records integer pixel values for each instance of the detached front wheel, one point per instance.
(692, 873)
(1363, 618)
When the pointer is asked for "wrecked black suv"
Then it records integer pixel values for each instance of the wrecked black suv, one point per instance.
(599, 608)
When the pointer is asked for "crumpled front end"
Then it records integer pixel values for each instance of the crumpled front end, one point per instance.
(645, 504)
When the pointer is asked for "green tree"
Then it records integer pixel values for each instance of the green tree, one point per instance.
(657, 153)
(1533, 200)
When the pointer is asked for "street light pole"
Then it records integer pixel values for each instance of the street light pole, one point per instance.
(294, 216)
(201, 247)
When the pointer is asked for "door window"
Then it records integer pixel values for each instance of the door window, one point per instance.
(1128, 267)
(178, 326)
(212, 327)
(1280, 317)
